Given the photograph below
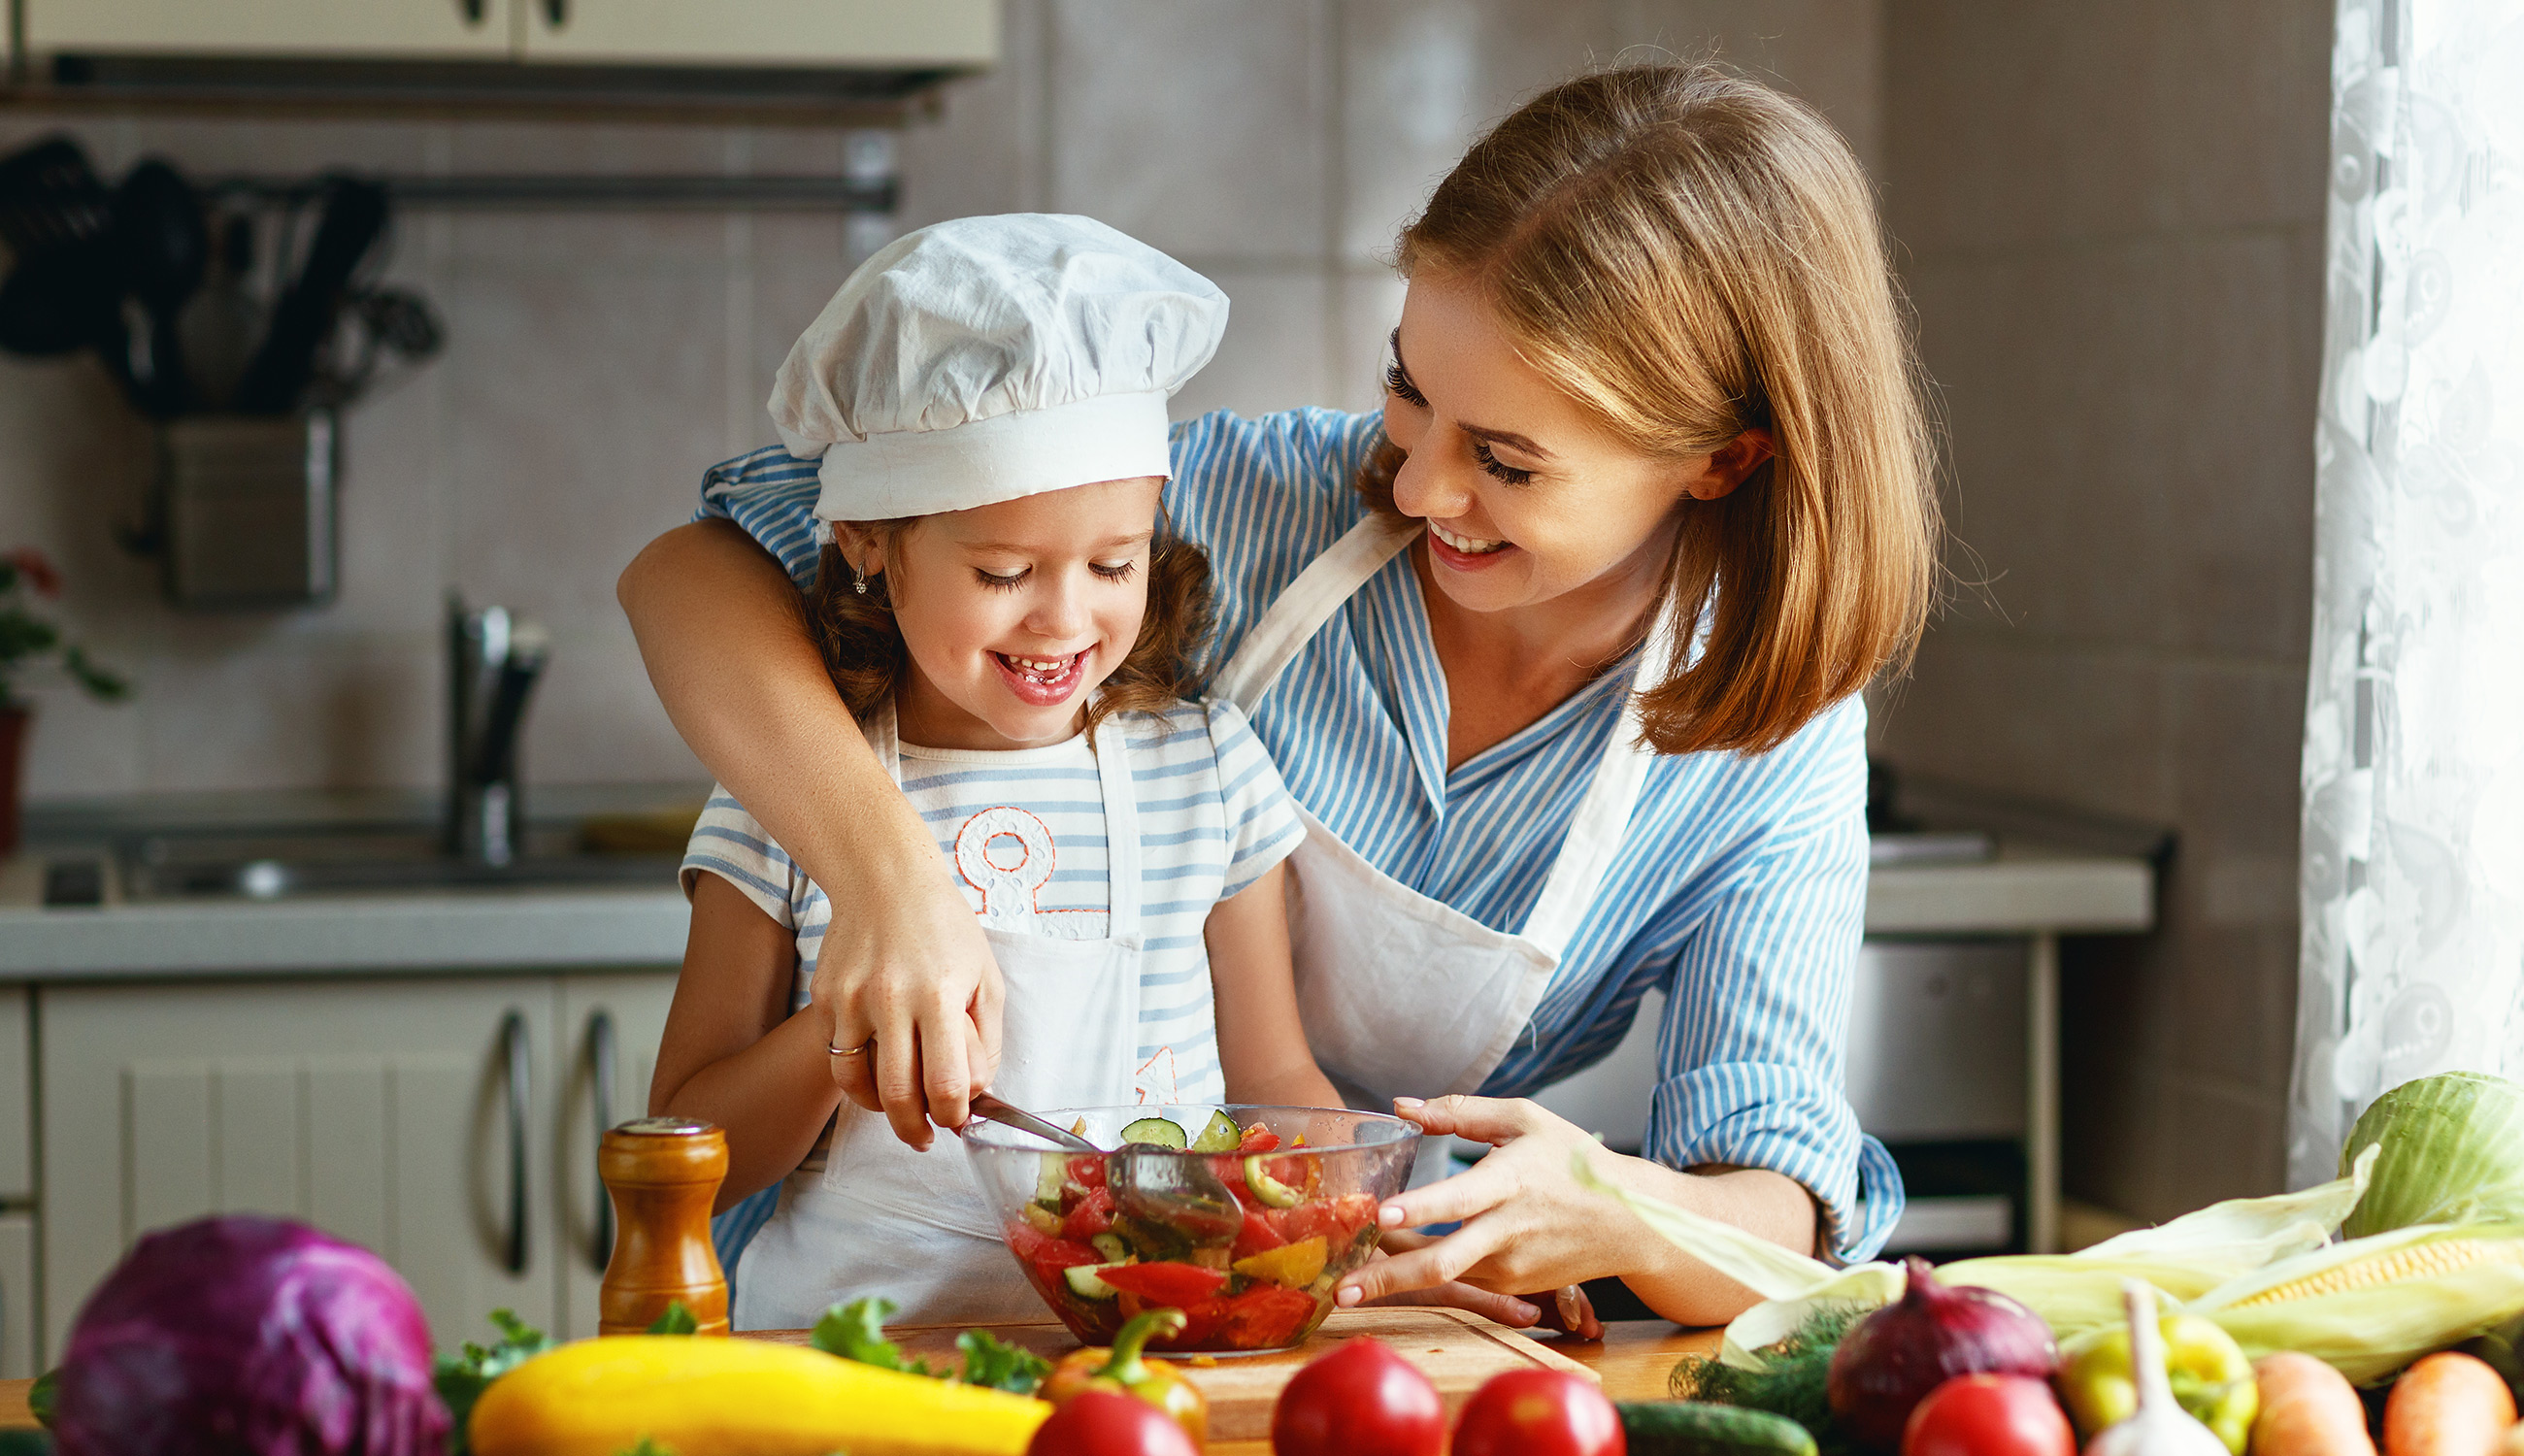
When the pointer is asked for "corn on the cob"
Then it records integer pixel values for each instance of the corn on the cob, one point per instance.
(2412, 1261)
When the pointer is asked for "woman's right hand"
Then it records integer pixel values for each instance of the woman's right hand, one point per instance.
(908, 975)
(903, 964)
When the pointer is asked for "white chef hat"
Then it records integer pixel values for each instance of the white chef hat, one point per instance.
(986, 358)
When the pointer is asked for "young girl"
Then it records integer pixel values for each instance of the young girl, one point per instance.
(996, 602)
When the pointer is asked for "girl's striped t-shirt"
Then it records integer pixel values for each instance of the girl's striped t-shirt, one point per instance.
(1739, 890)
(1024, 831)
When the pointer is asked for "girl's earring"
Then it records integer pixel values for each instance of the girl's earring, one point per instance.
(858, 581)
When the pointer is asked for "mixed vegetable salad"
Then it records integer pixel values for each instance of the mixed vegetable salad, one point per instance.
(1260, 1280)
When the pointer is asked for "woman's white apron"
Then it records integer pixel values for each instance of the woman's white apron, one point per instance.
(1403, 995)
(882, 1219)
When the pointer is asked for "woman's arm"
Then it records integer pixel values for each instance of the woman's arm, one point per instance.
(904, 961)
(733, 1055)
(1529, 1226)
(1261, 1044)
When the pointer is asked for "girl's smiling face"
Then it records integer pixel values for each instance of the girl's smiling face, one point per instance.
(1013, 613)
(1528, 498)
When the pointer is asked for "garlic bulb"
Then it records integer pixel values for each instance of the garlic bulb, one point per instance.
(2159, 1427)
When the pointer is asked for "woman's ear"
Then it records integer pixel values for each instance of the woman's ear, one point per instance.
(1729, 465)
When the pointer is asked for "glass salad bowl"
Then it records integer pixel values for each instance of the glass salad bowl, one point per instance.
(1245, 1218)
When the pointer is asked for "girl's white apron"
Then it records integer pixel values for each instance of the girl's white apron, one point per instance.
(1403, 995)
(912, 1226)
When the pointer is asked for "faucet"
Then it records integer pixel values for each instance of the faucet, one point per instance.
(493, 660)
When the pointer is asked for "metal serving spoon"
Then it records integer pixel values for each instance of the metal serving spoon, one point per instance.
(988, 1107)
(1158, 1186)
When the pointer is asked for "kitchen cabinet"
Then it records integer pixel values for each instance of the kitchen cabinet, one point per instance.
(446, 1122)
(414, 29)
(18, 1353)
(760, 32)
(782, 33)
(610, 1026)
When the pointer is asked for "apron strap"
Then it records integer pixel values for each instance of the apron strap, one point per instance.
(1596, 830)
(1320, 590)
(1121, 829)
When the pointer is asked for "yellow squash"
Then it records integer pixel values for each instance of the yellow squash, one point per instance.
(737, 1398)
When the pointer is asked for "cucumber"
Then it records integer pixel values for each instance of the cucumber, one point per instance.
(1084, 1280)
(1693, 1428)
(1111, 1246)
(1153, 1132)
(1218, 1135)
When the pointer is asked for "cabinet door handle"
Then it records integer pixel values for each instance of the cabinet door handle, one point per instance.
(520, 1070)
(600, 1062)
(473, 10)
(557, 13)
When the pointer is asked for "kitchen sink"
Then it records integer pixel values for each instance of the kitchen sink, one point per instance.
(290, 863)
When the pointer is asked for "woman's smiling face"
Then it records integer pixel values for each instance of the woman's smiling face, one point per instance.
(1014, 614)
(1527, 498)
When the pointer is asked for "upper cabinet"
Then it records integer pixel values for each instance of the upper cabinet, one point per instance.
(755, 53)
(759, 33)
(346, 29)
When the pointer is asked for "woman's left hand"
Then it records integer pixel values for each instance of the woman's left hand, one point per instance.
(1526, 1224)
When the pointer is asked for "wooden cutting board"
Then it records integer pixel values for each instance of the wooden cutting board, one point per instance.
(1456, 1350)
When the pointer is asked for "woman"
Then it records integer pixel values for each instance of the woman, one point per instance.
(1649, 371)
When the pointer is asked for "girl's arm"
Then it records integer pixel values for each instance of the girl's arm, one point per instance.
(733, 1055)
(727, 650)
(1261, 1044)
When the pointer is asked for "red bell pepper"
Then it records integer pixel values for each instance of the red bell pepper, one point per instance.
(1168, 1282)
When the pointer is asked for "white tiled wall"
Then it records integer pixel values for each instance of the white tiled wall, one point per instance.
(597, 361)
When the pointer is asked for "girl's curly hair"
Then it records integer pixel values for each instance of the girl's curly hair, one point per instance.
(863, 650)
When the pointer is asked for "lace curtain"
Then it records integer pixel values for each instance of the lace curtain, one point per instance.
(2414, 832)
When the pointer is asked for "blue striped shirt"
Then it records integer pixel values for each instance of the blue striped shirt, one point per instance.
(1740, 888)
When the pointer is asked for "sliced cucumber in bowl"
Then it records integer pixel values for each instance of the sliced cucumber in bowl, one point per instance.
(1155, 1131)
(1086, 1281)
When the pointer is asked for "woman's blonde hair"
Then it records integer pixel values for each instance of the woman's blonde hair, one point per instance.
(1691, 255)
(865, 656)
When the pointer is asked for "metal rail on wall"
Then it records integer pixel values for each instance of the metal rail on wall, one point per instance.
(789, 193)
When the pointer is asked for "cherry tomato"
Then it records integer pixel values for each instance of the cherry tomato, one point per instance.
(1360, 1400)
(1989, 1415)
(1107, 1422)
(1539, 1413)
(1167, 1282)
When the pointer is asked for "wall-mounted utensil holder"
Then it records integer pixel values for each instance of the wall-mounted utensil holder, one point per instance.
(247, 509)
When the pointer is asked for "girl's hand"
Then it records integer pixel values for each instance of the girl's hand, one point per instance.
(1527, 1223)
(908, 974)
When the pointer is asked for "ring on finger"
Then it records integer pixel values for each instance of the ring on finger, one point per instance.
(861, 1050)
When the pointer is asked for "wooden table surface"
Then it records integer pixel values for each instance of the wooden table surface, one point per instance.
(1634, 1358)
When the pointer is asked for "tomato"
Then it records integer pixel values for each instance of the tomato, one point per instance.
(1259, 1234)
(1360, 1400)
(1989, 1415)
(1257, 1138)
(1264, 1317)
(1538, 1413)
(1086, 1170)
(1107, 1422)
(1166, 1283)
(1047, 1253)
(1094, 1215)
(1338, 1220)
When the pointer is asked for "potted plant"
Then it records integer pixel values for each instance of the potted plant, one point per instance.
(23, 636)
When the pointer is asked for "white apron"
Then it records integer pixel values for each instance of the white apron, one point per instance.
(1403, 995)
(881, 1219)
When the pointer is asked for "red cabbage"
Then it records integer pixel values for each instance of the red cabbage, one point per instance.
(248, 1337)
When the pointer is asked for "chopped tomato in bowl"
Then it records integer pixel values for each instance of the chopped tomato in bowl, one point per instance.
(1249, 1243)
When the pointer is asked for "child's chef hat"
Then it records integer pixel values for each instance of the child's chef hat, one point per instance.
(986, 358)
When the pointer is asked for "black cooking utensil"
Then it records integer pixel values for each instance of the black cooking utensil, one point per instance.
(165, 245)
(65, 291)
(353, 218)
(49, 196)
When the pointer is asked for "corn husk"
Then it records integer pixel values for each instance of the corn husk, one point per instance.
(2213, 1262)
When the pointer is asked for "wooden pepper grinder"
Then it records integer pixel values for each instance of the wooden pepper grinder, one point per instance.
(664, 1172)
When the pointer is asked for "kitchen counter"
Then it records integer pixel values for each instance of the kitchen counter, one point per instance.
(2023, 890)
(1633, 1359)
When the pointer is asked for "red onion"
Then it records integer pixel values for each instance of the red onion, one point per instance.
(1893, 1358)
